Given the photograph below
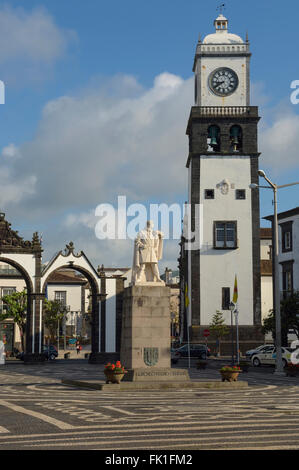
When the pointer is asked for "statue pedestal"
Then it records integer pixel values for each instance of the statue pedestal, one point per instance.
(145, 339)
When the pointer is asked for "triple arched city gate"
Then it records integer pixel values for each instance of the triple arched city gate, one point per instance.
(26, 257)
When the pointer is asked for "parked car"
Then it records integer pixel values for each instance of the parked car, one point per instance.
(263, 347)
(268, 357)
(50, 352)
(200, 351)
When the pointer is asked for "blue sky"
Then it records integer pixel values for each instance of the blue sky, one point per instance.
(61, 59)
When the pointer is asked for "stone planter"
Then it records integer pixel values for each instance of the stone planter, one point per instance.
(229, 376)
(113, 377)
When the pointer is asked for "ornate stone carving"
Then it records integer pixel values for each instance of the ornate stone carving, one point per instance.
(150, 356)
(69, 250)
(224, 187)
(10, 239)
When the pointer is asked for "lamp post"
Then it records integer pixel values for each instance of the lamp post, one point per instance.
(276, 290)
(232, 308)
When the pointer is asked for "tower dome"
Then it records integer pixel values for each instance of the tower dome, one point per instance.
(222, 36)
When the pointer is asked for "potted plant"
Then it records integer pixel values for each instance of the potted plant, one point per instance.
(230, 373)
(114, 372)
(244, 365)
(292, 370)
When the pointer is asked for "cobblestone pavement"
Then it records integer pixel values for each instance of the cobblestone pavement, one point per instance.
(38, 412)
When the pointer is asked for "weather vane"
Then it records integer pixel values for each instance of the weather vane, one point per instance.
(221, 7)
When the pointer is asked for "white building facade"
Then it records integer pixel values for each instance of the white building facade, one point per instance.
(288, 236)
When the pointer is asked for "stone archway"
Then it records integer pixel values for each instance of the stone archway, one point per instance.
(80, 263)
(26, 257)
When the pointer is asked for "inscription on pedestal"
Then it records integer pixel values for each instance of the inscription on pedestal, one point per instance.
(157, 375)
(160, 374)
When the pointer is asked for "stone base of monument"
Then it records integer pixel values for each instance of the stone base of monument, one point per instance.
(145, 334)
(152, 385)
(150, 374)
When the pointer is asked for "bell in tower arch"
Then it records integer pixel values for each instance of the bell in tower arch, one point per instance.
(236, 138)
(214, 139)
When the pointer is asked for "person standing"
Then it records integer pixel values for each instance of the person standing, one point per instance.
(78, 347)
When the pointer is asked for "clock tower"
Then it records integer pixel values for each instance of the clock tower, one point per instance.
(222, 163)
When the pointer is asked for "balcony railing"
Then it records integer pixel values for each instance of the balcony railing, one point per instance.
(227, 110)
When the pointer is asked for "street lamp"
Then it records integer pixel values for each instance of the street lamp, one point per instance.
(276, 290)
(232, 308)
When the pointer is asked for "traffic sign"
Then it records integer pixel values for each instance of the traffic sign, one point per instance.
(206, 333)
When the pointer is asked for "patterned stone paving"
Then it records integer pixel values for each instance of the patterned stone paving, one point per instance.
(38, 412)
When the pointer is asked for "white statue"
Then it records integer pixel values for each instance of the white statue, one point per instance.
(148, 251)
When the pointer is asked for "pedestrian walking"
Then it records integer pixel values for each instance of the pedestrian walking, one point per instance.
(78, 346)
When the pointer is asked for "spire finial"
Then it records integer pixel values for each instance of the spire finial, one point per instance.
(220, 8)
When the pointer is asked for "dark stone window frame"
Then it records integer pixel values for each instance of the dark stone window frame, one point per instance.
(207, 196)
(287, 268)
(225, 247)
(286, 227)
(225, 298)
(241, 194)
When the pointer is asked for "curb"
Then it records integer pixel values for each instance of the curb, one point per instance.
(161, 386)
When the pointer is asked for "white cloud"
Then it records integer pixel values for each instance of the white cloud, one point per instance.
(88, 149)
(31, 42)
(87, 219)
(279, 143)
(14, 190)
(10, 151)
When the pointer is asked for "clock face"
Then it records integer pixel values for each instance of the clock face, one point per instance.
(223, 81)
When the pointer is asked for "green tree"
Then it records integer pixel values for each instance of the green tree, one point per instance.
(15, 307)
(54, 312)
(289, 313)
(218, 327)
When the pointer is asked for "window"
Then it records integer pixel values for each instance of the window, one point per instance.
(225, 298)
(5, 291)
(287, 277)
(60, 296)
(286, 236)
(287, 240)
(209, 194)
(225, 235)
(240, 194)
